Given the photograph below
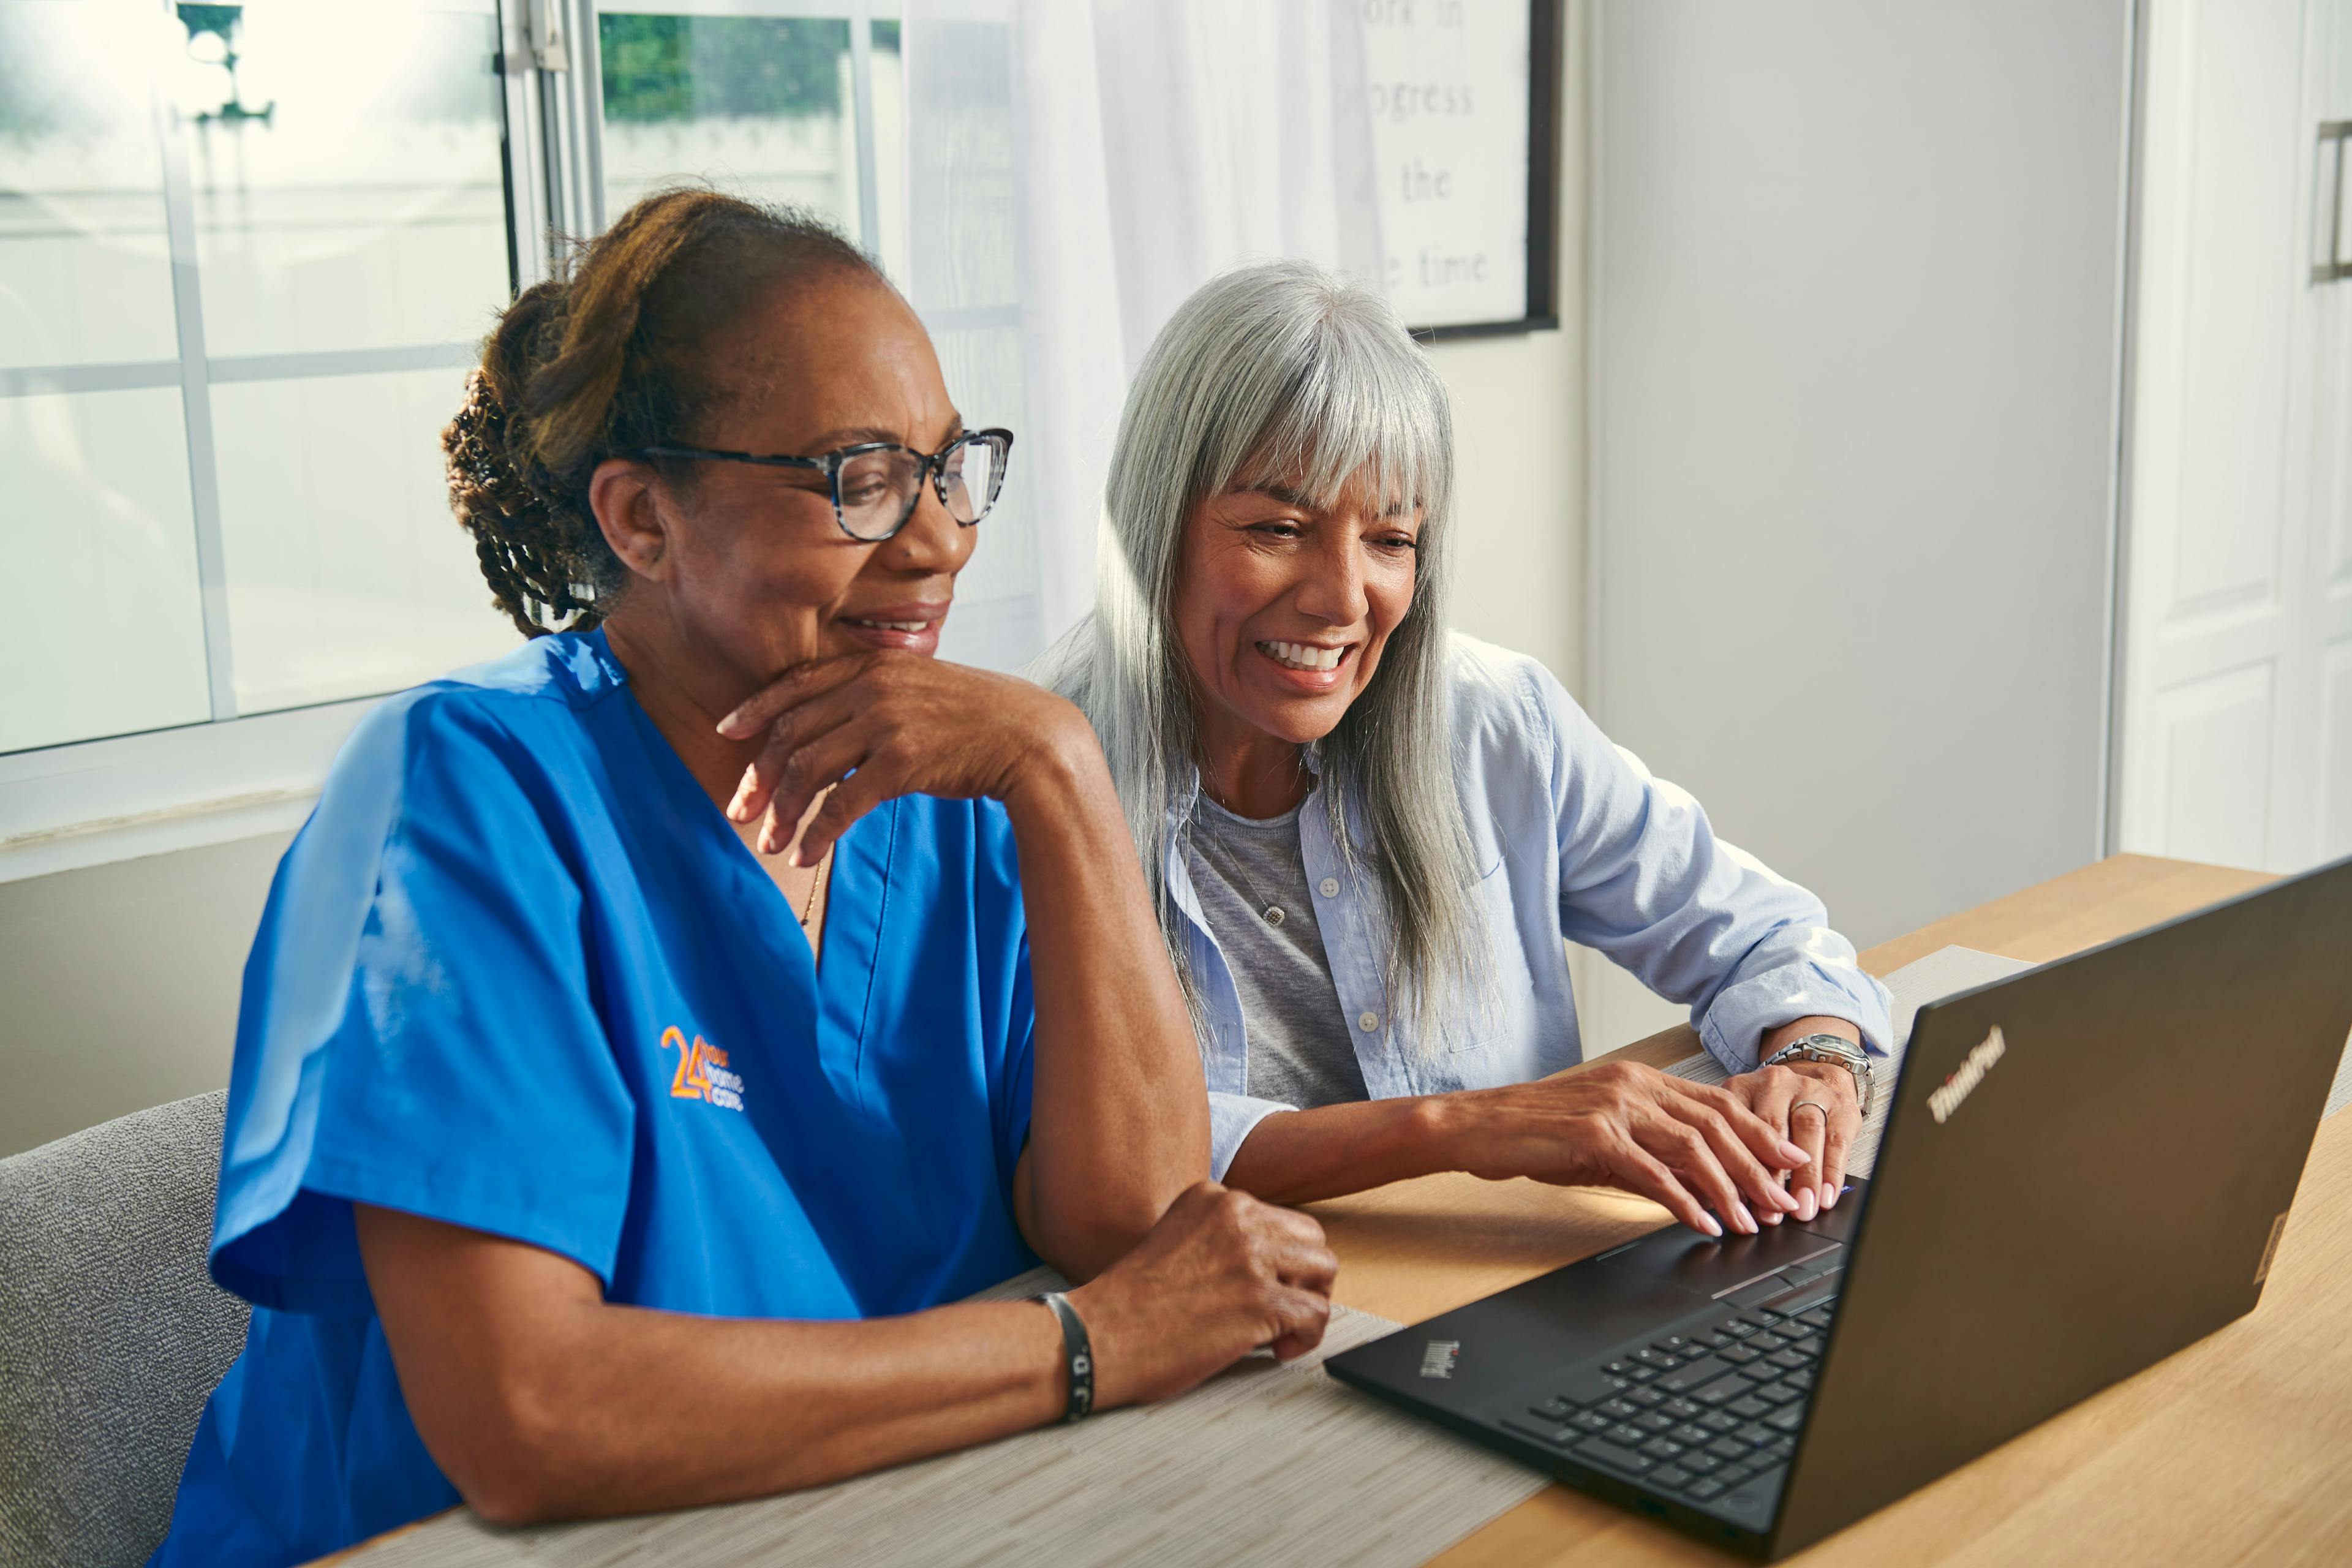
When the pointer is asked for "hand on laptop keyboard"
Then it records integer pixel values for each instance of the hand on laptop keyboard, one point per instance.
(1824, 1129)
(1691, 1147)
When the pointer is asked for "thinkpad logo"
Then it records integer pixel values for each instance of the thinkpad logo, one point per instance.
(1437, 1360)
(1963, 1083)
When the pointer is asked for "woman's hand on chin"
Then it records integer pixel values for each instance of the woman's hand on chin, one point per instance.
(871, 727)
(1691, 1147)
(1220, 1276)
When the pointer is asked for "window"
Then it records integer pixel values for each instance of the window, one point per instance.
(247, 253)
(765, 106)
(242, 268)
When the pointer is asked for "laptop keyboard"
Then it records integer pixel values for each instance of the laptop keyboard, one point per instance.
(1709, 1413)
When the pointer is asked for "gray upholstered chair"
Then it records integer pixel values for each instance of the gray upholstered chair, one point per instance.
(112, 1334)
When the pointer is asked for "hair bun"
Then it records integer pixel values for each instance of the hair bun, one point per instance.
(517, 529)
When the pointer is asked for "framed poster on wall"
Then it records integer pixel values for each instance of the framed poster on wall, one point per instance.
(1465, 99)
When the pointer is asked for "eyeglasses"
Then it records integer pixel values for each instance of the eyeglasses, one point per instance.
(876, 485)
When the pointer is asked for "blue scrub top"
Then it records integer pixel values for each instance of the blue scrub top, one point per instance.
(518, 973)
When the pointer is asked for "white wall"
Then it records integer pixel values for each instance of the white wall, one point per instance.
(1856, 295)
(118, 984)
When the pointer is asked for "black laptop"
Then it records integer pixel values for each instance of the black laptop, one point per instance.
(2086, 1167)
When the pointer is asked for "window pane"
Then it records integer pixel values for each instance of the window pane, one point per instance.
(85, 264)
(103, 633)
(961, 166)
(347, 574)
(890, 149)
(759, 106)
(348, 173)
(995, 620)
(960, 272)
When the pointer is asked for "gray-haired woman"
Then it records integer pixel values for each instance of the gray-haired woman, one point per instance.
(1367, 836)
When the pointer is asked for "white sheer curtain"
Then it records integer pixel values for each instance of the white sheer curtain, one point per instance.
(1078, 167)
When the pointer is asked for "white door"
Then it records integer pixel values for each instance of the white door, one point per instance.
(2236, 739)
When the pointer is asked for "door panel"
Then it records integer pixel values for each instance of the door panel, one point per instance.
(2216, 734)
(2240, 537)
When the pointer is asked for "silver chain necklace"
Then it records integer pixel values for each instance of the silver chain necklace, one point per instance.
(1270, 911)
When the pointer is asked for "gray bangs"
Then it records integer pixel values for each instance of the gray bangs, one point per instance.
(1354, 408)
(1284, 375)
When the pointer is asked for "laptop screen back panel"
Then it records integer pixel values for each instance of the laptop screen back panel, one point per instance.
(2082, 1171)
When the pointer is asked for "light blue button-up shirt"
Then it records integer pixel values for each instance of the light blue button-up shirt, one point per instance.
(1574, 838)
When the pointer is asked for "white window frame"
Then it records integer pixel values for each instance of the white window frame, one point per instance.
(117, 797)
(65, 807)
(87, 802)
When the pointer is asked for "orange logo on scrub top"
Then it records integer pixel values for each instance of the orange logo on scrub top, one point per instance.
(702, 1072)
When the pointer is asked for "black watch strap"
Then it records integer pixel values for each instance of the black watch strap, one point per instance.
(1080, 1352)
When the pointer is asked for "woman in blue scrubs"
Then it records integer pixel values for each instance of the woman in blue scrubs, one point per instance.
(653, 1032)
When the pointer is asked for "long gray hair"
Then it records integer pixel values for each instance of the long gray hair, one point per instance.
(1283, 372)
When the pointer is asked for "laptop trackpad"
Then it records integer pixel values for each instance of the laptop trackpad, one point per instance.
(1491, 1348)
(1715, 1269)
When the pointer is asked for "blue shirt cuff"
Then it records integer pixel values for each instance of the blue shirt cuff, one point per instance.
(1231, 1119)
(1734, 1029)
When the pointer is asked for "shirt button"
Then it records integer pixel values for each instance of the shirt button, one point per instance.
(1367, 1022)
(1330, 886)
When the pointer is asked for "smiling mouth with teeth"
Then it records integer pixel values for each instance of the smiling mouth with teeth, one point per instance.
(1303, 656)
(893, 625)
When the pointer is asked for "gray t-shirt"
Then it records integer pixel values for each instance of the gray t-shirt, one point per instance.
(1243, 868)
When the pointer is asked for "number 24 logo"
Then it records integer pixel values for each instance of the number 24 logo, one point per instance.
(692, 1080)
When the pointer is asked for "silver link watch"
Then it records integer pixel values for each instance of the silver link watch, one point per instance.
(1831, 1048)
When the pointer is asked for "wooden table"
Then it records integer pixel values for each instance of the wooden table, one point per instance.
(2238, 1449)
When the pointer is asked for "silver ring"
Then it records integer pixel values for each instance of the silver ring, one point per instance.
(1816, 1104)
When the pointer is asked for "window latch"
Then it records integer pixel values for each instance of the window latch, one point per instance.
(549, 46)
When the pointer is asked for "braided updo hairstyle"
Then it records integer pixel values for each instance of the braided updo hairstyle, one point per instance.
(603, 362)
